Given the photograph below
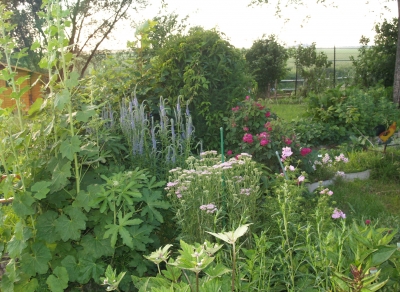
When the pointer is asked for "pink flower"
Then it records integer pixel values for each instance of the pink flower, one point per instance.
(367, 222)
(248, 138)
(247, 97)
(235, 109)
(246, 129)
(264, 142)
(291, 168)
(288, 141)
(267, 114)
(338, 214)
(263, 135)
(229, 152)
(286, 152)
(330, 193)
(301, 178)
(305, 151)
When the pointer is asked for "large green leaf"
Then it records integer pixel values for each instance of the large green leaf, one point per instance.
(58, 281)
(70, 146)
(61, 172)
(46, 227)
(90, 269)
(69, 227)
(62, 98)
(153, 202)
(72, 267)
(36, 261)
(41, 189)
(96, 246)
(22, 204)
(141, 236)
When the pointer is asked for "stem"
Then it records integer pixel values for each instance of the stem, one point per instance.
(233, 267)
(197, 282)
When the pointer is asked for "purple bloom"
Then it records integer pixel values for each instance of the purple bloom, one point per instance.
(338, 214)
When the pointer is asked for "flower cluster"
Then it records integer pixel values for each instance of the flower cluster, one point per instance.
(338, 214)
(326, 167)
(326, 191)
(210, 208)
(248, 138)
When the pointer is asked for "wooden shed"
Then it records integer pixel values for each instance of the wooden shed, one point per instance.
(31, 95)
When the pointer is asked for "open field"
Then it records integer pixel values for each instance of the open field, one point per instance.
(342, 58)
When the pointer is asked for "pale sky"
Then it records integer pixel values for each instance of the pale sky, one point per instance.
(242, 25)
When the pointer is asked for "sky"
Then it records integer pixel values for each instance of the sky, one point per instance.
(327, 26)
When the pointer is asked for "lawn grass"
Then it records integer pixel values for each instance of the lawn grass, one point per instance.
(288, 112)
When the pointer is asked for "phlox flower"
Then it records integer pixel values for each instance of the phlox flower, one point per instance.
(340, 173)
(286, 152)
(210, 208)
(338, 214)
(301, 178)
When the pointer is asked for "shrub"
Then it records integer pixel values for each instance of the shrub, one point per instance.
(254, 129)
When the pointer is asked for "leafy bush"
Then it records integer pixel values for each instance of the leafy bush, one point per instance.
(353, 110)
(254, 129)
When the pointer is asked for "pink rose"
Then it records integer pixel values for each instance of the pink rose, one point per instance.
(267, 114)
(229, 152)
(246, 129)
(288, 141)
(247, 97)
(305, 151)
(248, 138)
(264, 142)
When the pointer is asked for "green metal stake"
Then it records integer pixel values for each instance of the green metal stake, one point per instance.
(221, 130)
(280, 162)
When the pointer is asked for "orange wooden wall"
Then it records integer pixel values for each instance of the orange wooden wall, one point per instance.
(29, 97)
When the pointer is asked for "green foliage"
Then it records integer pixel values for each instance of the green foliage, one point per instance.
(205, 69)
(352, 110)
(375, 64)
(267, 62)
(74, 208)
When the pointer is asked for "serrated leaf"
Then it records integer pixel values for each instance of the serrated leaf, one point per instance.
(46, 227)
(58, 281)
(22, 204)
(27, 285)
(69, 147)
(126, 237)
(72, 267)
(62, 98)
(41, 189)
(152, 204)
(85, 114)
(69, 227)
(61, 171)
(217, 270)
(73, 80)
(89, 269)
(36, 261)
(96, 246)
(141, 236)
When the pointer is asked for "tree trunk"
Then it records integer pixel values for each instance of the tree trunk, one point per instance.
(396, 84)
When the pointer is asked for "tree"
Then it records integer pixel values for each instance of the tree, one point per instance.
(91, 22)
(312, 68)
(267, 59)
(396, 84)
(203, 67)
(376, 64)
